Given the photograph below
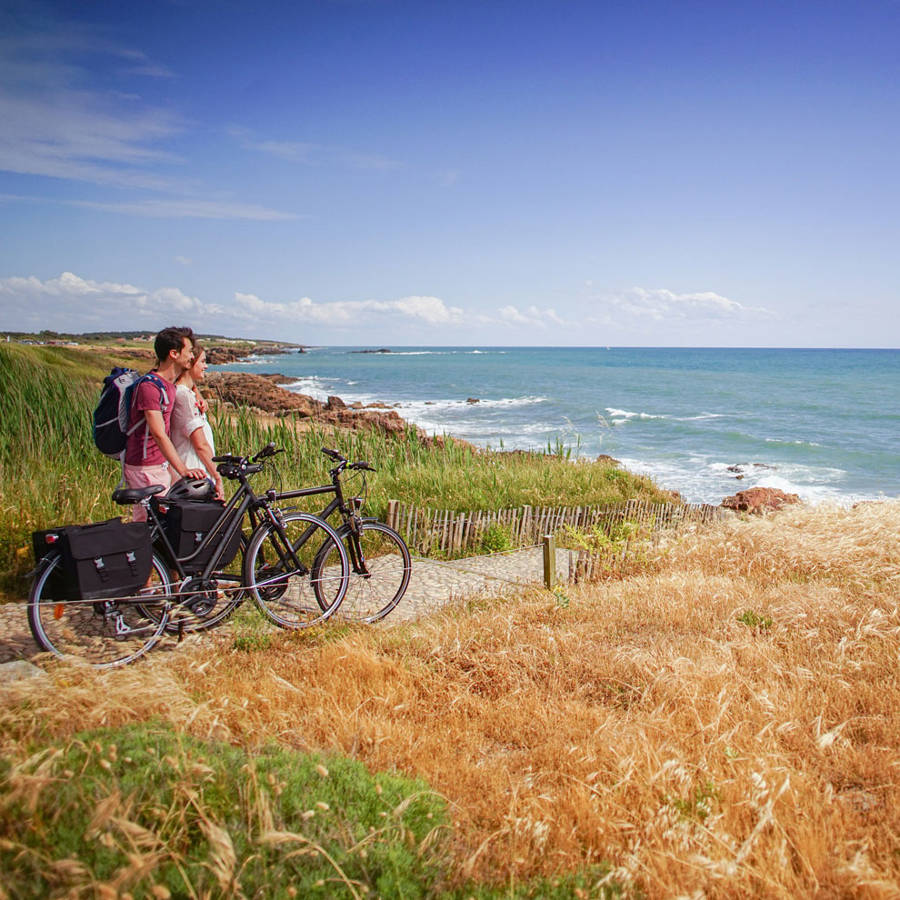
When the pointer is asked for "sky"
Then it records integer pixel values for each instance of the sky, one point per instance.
(379, 172)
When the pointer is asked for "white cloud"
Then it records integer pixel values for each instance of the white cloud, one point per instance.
(531, 316)
(61, 120)
(661, 304)
(190, 209)
(183, 260)
(292, 151)
(55, 124)
(70, 302)
(312, 154)
(428, 310)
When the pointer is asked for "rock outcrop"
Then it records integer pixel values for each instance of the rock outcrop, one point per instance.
(263, 394)
(218, 355)
(759, 500)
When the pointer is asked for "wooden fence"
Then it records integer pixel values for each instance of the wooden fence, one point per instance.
(448, 532)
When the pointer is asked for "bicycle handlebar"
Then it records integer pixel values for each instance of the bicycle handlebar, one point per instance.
(230, 465)
(342, 462)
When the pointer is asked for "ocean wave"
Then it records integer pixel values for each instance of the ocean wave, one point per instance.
(797, 443)
(313, 386)
(700, 479)
(443, 352)
(447, 405)
(624, 414)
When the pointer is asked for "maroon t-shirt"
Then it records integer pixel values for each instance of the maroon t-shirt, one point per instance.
(139, 452)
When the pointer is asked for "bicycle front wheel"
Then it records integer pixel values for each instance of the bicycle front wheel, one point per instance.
(380, 566)
(102, 633)
(278, 571)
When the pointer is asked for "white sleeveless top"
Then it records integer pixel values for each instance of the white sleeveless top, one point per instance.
(186, 419)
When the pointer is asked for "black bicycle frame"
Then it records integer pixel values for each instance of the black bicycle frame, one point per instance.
(338, 504)
(244, 499)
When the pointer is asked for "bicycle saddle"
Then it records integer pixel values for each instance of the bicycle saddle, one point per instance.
(127, 496)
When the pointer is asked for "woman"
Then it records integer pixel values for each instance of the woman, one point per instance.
(190, 430)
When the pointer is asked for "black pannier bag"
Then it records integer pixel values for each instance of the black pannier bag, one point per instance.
(106, 559)
(186, 523)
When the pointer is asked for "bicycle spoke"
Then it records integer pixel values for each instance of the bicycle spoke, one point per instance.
(379, 572)
(279, 576)
(102, 633)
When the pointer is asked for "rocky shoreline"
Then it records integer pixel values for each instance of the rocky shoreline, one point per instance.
(218, 356)
(263, 394)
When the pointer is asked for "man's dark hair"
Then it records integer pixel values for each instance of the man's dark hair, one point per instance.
(170, 339)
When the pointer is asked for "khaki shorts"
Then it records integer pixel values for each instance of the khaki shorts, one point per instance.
(141, 476)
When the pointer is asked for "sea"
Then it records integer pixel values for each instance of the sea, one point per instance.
(824, 424)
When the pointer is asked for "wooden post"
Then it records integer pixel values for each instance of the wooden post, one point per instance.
(549, 561)
(392, 516)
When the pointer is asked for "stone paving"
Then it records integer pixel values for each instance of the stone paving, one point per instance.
(436, 582)
(433, 584)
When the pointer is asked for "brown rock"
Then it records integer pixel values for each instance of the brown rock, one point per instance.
(217, 356)
(262, 394)
(245, 389)
(276, 378)
(759, 500)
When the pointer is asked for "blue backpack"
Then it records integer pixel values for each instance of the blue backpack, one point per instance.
(113, 411)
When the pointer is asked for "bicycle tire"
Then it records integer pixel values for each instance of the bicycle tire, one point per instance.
(285, 593)
(379, 576)
(103, 633)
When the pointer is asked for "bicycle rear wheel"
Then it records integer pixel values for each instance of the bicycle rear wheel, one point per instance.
(102, 633)
(380, 567)
(278, 571)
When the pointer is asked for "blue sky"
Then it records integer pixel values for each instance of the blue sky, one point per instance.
(373, 172)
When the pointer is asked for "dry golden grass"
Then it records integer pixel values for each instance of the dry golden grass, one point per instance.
(644, 723)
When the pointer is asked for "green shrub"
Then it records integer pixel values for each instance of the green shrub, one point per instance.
(495, 539)
(142, 807)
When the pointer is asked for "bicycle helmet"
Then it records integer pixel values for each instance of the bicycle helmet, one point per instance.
(191, 489)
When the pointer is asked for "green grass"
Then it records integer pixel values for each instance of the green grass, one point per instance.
(51, 474)
(142, 807)
(755, 621)
(453, 476)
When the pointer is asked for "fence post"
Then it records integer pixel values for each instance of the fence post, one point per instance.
(549, 561)
(393, 518)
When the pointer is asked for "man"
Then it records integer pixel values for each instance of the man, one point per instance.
(150, 455)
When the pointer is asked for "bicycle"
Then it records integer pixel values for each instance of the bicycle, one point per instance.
(277, 571)
(380, 563)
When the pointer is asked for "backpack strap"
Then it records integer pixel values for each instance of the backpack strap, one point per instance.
(154, 379)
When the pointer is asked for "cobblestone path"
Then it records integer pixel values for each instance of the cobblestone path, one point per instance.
(433, 584)
(436, 582)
